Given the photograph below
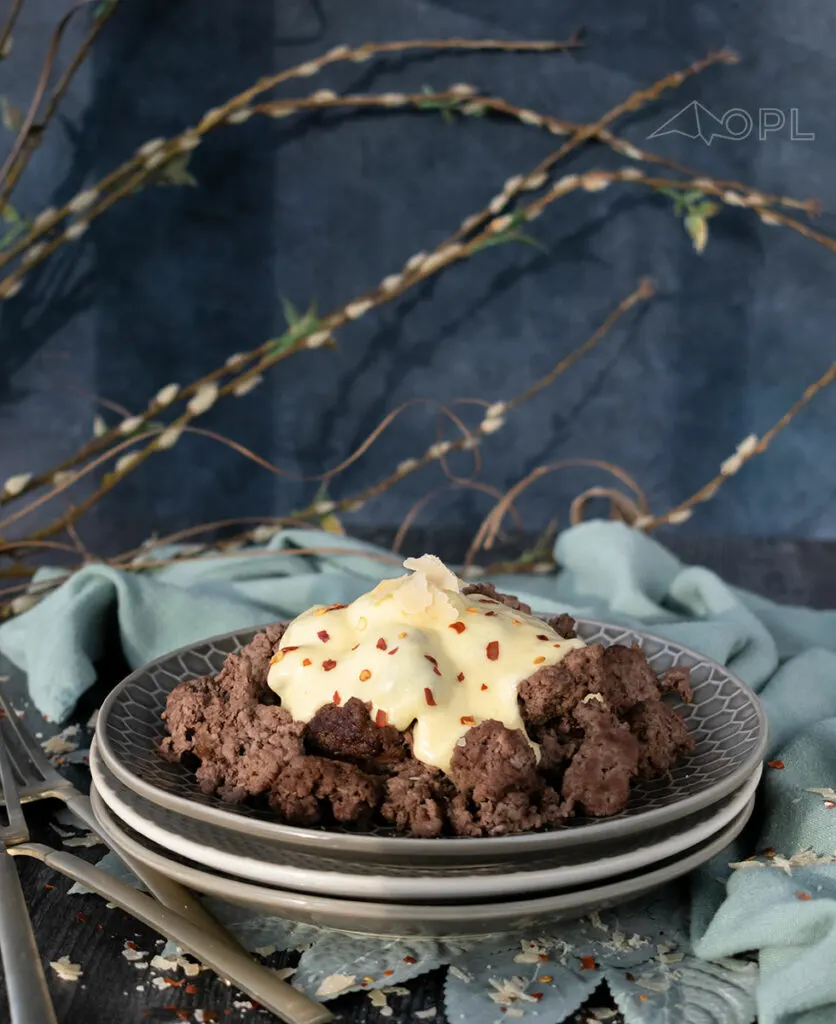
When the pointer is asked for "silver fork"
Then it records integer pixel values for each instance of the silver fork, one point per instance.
(180, 918)
(40, 781)
(29, 1001)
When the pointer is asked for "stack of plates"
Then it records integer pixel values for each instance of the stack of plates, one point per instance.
(379, 883)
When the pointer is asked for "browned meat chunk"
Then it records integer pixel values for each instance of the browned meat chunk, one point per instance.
(553, 690)
(313, 789)
(489, 590)
(348, 732)
(493, 762)
(598, 779)
(662, 735)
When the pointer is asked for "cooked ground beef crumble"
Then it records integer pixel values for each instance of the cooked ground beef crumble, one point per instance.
(598, 717)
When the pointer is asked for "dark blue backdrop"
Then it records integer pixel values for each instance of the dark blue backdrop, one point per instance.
(321, 207)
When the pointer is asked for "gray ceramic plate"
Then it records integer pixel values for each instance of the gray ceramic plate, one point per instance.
(726, 721)
(447, 920)
(252, 859)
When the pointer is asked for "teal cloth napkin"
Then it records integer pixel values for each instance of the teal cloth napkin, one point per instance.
(783, 906)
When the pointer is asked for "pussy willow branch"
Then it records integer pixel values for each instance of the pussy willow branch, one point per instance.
(158, 435)
(352, 311)
(395, 284)
(590, 181)
(387, 289)
(464, 95)
(493, 421)
(30, 134)
(487, 532)
(467, 100)
(8, 28)
(633, 102)
(494, 416)
(747, 450)
(153, 154)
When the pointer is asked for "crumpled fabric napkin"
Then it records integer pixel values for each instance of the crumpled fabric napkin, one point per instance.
(783, 905)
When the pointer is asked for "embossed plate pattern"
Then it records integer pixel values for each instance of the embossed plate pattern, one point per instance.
(247, 857)
(726, 721)
(539, 910)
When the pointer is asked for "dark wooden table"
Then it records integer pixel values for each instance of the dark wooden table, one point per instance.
(81, 927)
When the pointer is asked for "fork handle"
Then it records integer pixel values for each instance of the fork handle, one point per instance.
(170, 893)
(234, 966)
(29, 1000)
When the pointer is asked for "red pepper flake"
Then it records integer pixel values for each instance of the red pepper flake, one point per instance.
(184, 1014)
(643, 997)
(431, 659)
(769, 852)
(629, 976)
(334, 607)
(336, 699)
(81, 918)
(536, 995)
(131, 945)
(484, 686)
(775, 764)
(324, 635)
(381, 719)
(588, 963)
(364, 675)
(799, 895)
(467, 720)
(328, 664)
(173, 983)
(381, 644)
(48, 886)
(543, 958)
(387, 974)
(190, 990)
(410, 960)
(394, 650)
(354, 648)
(555, 645)
(428, 697)
(542, 636)
(287, 650)
(489, 613)
(539, 660)
(306, 662)
(492, 650)
(459, 627)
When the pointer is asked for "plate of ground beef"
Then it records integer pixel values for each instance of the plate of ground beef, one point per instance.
(617, 732)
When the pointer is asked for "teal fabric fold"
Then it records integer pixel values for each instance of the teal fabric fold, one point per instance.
(782, 905)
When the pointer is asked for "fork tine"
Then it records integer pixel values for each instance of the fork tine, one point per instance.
(11, 797)
(34, 755)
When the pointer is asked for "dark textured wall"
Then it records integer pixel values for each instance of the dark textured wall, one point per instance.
(321, 207)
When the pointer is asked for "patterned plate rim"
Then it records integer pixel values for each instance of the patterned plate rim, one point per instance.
(374, 888)
(282, 901)
(456, 846)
